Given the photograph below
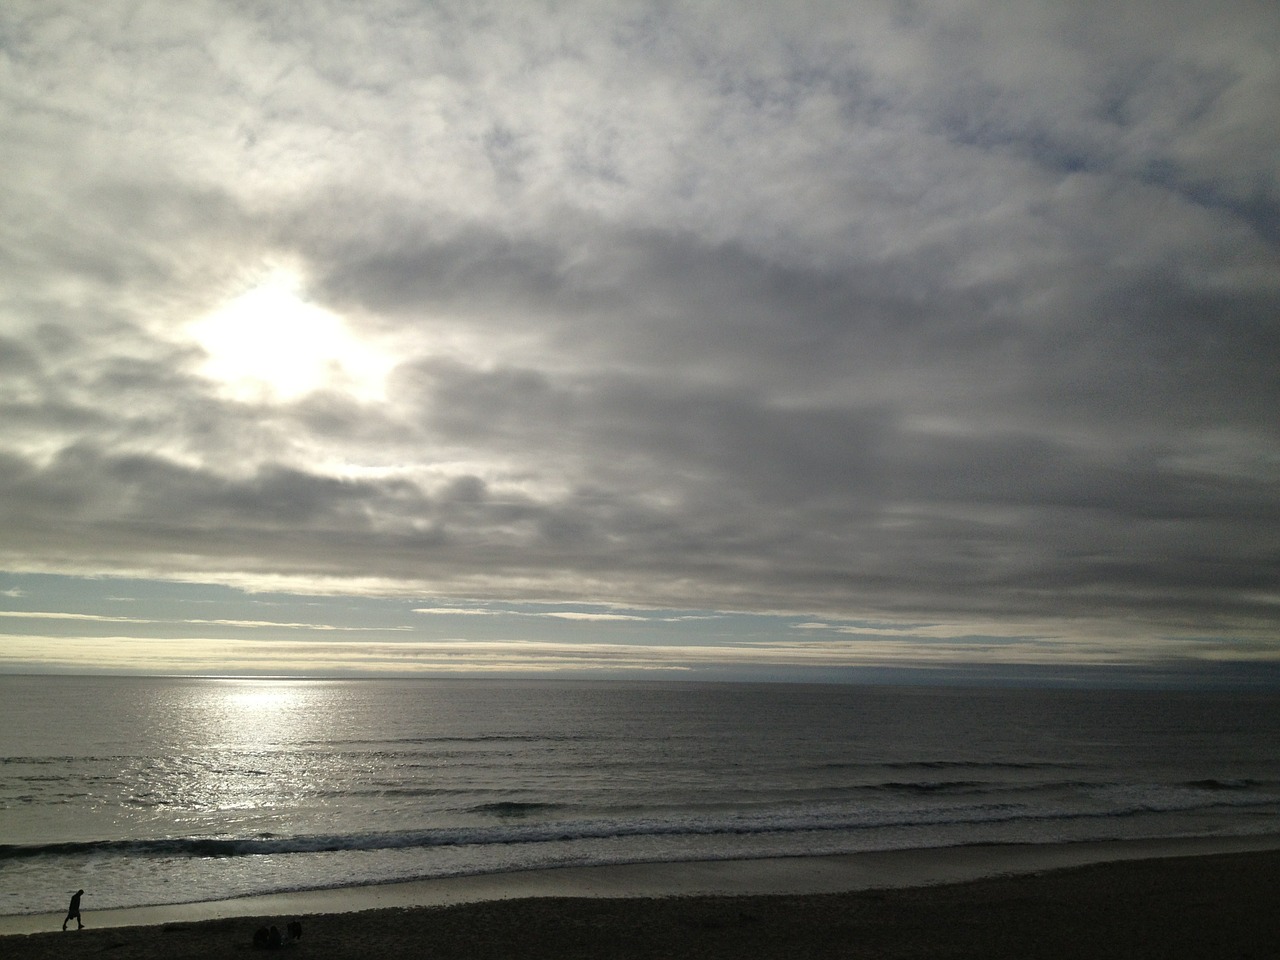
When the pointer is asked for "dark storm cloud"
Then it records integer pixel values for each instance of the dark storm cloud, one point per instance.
(890, 310)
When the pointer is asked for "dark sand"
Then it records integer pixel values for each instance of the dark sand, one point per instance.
(1182, 907)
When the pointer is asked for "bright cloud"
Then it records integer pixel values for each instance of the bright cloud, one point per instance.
(270, 343)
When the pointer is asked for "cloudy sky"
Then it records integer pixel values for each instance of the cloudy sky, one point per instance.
(769, 339)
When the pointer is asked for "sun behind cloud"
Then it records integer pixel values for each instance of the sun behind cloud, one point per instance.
(270, 343)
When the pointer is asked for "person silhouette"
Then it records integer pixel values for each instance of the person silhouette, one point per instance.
(74, 911)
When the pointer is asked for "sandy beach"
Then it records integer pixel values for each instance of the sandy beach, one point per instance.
(1150, 905)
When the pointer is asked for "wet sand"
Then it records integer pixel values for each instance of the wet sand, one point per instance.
(1205, 906)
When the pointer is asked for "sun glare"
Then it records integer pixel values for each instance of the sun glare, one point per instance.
(261, 711)
(271, 343)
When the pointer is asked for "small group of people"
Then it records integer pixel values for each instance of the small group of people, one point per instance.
(270, 938)
(265, 938)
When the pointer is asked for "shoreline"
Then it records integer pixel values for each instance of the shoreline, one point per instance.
(784, 876)
(1155, 908)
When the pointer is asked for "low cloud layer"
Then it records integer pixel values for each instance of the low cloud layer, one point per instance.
(874, 311)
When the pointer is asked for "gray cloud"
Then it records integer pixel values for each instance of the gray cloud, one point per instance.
(874, 311)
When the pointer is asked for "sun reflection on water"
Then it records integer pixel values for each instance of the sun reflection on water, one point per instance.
(250, 743)
(264, 713)
(257, 700)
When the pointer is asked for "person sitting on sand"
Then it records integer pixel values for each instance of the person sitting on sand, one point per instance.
(74, 911)
(270, 938)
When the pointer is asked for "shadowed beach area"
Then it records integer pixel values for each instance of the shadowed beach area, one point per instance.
(1224, 905)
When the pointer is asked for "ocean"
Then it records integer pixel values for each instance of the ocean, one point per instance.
(171, 790)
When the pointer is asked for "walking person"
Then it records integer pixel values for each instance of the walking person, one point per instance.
(74, 911)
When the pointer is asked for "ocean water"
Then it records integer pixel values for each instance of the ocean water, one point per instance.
(170, 790)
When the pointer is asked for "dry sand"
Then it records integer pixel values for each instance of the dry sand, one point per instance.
(1211, 906)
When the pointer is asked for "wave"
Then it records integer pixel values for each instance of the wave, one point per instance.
(1213, 784)
(993, 765)
(329, 744)
(1114, 801)
(508, 808)
(976, 764)
(934, 786)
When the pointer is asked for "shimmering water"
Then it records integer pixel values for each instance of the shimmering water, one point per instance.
(163, 790)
